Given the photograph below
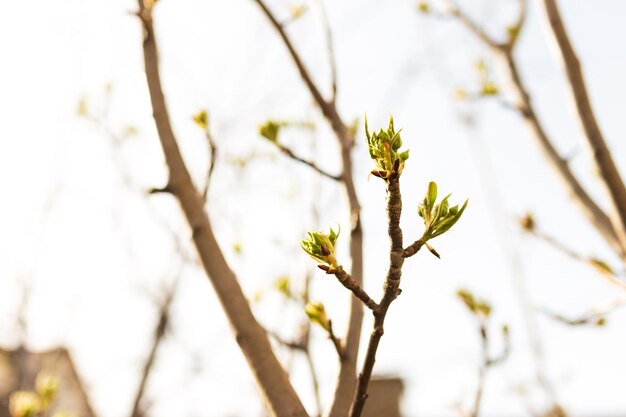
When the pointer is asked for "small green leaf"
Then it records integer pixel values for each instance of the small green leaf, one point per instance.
(202, 119)
(601, 266)
(270, 130)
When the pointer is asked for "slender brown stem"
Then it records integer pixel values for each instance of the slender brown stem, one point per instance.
(591, 317)
(593, 134)
(413, 248)
(482, 369)
(312, 165)
(159, 334)
(336, 341)
(487, 362)
(391, 291)
(330, 49)
(273, 382)
(213, 151)
(347, 281)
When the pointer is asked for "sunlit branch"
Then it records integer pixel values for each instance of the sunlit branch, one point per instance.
(310, 164)
(504, 51)
(278, 392)
(595, 316)
(608, 172)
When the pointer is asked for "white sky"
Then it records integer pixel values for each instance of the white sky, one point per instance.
(95, 252)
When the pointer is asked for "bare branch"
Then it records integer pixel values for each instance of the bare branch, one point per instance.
(464, 19)
(159, 334)
(590, 209)
(594, 317)
(595, 139)
(327, 108)
(330, 50)
(336, 342)
(605, 271)
(346, 380)
(273, 382)
(213, 151)
(487, 363)
(347, 281)
(310, 164)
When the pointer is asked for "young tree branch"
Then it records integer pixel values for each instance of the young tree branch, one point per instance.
(346, 380)
(347, 281)
(310, 164)
(595, 139)
(487, 363)
(213, 151)
(391, 291)
(273, 382)
(595, 316)
(159, 333)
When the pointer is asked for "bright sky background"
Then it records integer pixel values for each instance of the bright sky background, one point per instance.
(96, 252)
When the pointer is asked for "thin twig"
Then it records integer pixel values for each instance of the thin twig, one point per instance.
(607, 273)
(213, 151)
(330, 50)
(461, 16)
(312, 165)
(336, 341)
(487, 363)
(159, 334)
(347, 281)
(594, 316)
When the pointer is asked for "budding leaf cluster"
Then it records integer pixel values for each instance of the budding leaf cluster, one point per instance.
(384, 148)
(438, 218)
(476, 306)
(321, 247)
(317, 314)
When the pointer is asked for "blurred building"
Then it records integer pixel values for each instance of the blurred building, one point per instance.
(19, 367)
(384, 397)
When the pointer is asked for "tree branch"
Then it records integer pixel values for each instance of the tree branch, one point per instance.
(595, 139)
(159, 333)
(330, 50)
(272, 379)
(347, 281)
(594, 316)
(391, 292)
(310, 164)
(589, 208)
(487, 363)
(213, 151)
(346, 380)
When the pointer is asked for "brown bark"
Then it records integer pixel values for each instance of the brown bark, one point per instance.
(584, 110)
(273, 382)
